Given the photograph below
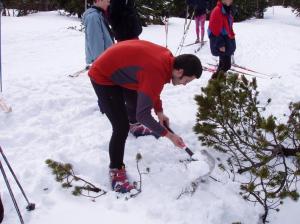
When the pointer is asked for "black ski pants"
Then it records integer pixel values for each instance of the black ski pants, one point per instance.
(119, 105)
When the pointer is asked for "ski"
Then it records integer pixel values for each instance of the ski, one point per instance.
(187, 45)
(76, 74)
(200, 47)
(240, 72)
(4, 106)
(191, 44)
(208, 69)
(250, 70)
(246, 73)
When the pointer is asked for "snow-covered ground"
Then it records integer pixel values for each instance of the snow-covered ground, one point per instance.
(57, 117)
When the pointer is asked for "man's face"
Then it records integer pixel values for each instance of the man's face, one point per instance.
(102, 4)
(179, 79)
(227, 2)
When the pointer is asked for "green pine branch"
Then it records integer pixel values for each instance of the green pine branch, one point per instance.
(65, 175)
(231, 119)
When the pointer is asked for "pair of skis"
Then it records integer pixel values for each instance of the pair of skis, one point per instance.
(274, 76)
(196, 43)
(200, 47)
(213, 69)
(191, 44)
(242, 70)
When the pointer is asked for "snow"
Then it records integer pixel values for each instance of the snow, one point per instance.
(57, 117)
(196, 169)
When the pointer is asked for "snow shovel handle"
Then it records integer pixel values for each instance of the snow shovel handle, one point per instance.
(188, 151)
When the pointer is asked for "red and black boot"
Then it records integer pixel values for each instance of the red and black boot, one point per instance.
(119, 181)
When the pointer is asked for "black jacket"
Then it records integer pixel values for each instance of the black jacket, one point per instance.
(200, 6)
(124, 19)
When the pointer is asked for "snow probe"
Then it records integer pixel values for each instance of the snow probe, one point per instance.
(30, 206)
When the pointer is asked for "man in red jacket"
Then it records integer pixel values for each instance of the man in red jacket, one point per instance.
(221, 34)
(128, 79)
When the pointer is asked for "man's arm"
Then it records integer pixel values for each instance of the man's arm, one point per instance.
(95, 36)
(143, 114)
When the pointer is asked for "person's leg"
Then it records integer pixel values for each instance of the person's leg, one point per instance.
(112, 103)
(221, 62)
(223, 66)
(98, 94)
(202, 22)
(130, 97)
(224, 63)
(197, 21)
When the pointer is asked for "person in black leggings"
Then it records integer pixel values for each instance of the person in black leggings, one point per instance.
(119, 105)
(128, 80)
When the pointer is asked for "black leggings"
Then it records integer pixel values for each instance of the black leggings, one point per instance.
(117, 103)
(224, 63)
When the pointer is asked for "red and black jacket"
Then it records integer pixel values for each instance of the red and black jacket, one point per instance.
(141, 66)
(220, 31)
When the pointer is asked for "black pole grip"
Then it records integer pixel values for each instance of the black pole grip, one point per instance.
(188, 151)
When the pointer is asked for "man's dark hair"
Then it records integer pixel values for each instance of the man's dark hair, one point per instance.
(190, 64)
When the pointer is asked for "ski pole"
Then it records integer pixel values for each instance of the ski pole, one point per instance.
(11, 194)
(186, 29)
(187, 149)
(165, 21)
(30, 206)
